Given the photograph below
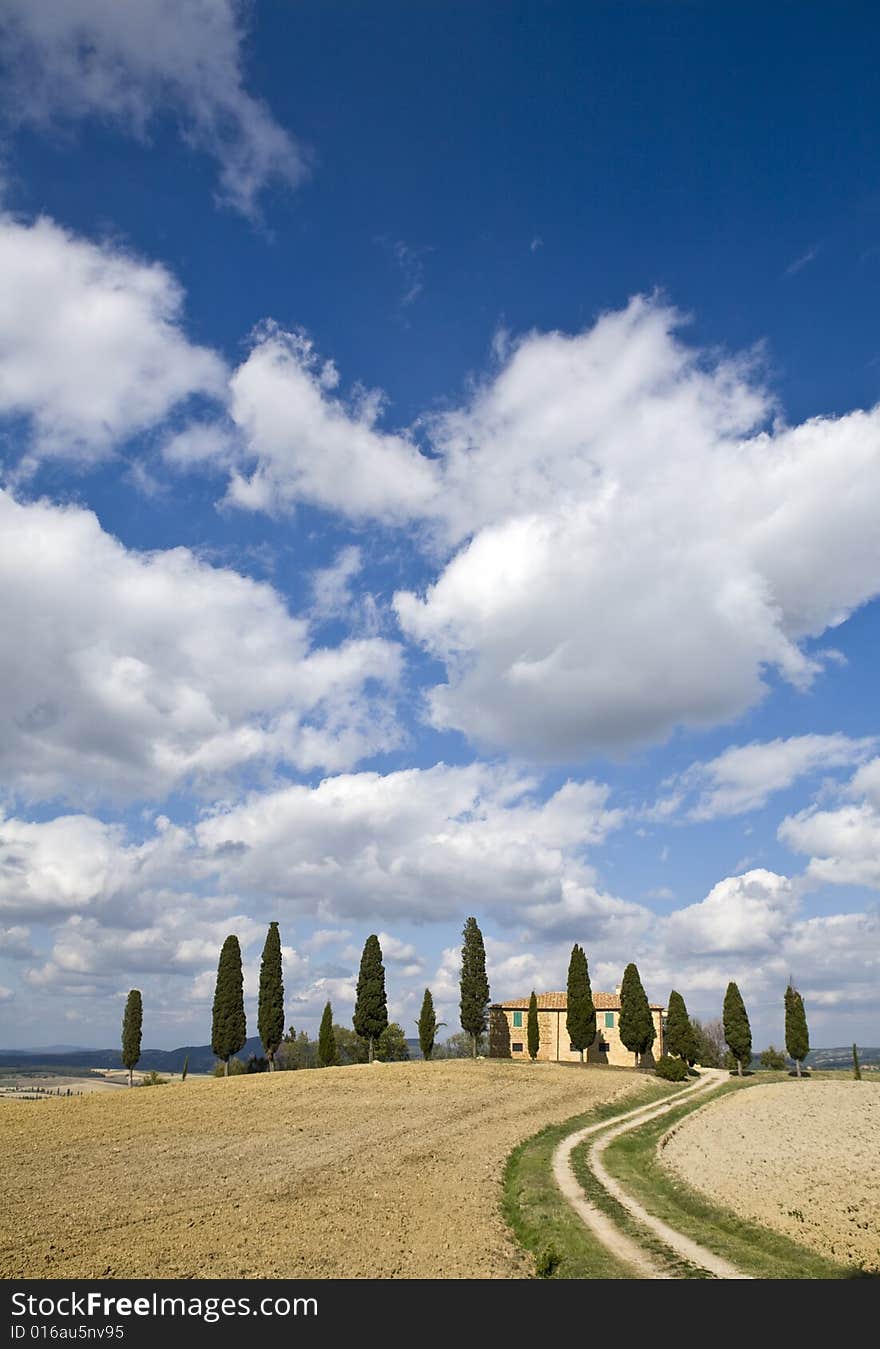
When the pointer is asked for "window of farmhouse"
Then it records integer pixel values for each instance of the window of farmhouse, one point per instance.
(517, 1047)
(517, 1020)
(609, 1019)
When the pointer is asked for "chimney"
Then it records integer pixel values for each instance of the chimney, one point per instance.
(617, 990)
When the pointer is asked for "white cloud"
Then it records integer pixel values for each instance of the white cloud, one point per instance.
(311, 445)
(636, 551)
(744, 776)
(843, 843)
(411, 843)
(91, 347)
(58, 866)
(331, 590)
(407, 844)
(177, 940)
(6, 994)
(327, 936)
(14, 941)
(130, 61)
(741, 915)
(131, 674)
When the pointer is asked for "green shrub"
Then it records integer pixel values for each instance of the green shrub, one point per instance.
(772, 1058)
(671, 1069)
(152, 1079)
(235, 1067)
(547, 1262)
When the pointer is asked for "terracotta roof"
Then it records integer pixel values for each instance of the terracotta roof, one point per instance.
(550, 1002)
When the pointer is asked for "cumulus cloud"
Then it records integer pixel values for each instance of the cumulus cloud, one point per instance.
(131, 674)
(128, 61)
(842, 843)
(91, 345)
(406, 844)
(14, 941)
(741, 915)
(412, 843)
(638, 550)
(309, 444)
(743, 777)
(625, 546)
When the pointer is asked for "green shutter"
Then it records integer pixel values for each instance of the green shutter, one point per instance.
(609, 1019)
(517, 1020)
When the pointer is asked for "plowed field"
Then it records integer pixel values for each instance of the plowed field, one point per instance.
(364, 1172)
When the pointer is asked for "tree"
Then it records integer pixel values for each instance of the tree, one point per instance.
(857, 1072)
(797, 1036)
(270, 1013)
(327, 1055)
(772, 1058)
(391, 1047)
(371, 1004)
(533, 1034)
(637, 1031)
(349, 1046)
(580, 1018)
(298, 1051)
(737, 1031)
(474, 1005)
(709, 1039)
(427, 1024)
(680, 1037)
(457, 1046)
(132, 1023)
(229, 1028)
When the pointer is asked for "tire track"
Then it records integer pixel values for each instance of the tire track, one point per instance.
(619, 1243)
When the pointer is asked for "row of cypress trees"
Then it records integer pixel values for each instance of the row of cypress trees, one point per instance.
(229, 1028)
(681, 1038)
(636, 1024)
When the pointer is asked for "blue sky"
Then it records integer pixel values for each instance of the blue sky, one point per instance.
(440, 476)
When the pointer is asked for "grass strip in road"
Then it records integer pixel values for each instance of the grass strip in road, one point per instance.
(543, 1222)
(764, 1254)
(675, 1265)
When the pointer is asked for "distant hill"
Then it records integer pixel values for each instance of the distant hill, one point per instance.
(49, 1049)
(842, 1058)
(201, 1057)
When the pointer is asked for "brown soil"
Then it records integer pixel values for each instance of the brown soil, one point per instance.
(366, 1172)
(797, 1157)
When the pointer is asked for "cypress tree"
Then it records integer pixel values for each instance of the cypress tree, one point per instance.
(637, 1031)
(371, 1004)
(270, 1012)
(580, 1018)
(681, 1038)
(533, 1033)
(427, 1024)
(857, 1072)
(327, 1055)
(797, 1036)
(132, 1022)
(474, 1005)
(229, 1028)
(737, 1031)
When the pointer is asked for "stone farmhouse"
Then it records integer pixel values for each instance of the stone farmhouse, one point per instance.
(507, 1031)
